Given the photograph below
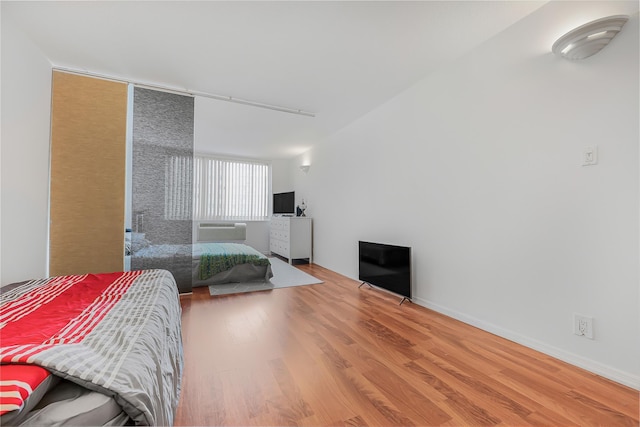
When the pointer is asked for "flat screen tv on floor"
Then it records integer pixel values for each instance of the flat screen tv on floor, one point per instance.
(284, 203)
(386, 266)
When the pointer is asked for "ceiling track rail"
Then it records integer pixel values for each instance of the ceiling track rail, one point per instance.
(189, 92)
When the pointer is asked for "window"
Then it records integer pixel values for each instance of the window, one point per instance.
(233, 190)
(177, 188)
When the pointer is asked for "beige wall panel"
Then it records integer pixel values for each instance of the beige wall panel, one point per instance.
(88, 143)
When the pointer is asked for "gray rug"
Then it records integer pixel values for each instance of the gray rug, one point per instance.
(284, 276)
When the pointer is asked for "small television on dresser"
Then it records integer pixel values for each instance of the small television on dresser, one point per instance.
(385, 266)
(284, 203)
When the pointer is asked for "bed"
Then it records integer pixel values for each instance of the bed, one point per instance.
(218, 256)
(94, 349)
(204, 264)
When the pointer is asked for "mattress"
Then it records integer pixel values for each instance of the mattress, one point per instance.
(68, 403)
(103, 349)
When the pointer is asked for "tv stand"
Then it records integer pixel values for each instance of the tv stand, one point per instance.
(401, 301)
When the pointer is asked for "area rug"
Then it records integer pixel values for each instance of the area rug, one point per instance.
(284, 276)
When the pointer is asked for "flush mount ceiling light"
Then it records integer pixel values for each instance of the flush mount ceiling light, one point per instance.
(589, 39)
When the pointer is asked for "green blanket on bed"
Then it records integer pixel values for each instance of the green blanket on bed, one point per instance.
(219, 257)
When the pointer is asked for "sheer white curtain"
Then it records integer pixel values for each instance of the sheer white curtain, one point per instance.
(230, 189)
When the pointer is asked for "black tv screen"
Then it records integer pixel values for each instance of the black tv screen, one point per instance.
(386, 266)
(284, 203)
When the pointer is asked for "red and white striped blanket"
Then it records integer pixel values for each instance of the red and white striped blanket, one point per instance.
(17, 383)
(117, 333)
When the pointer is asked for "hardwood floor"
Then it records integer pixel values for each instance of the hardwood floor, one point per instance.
(333, 354)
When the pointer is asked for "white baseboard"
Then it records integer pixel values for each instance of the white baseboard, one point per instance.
(598, 368)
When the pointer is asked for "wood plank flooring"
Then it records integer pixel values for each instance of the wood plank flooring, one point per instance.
(335, 355)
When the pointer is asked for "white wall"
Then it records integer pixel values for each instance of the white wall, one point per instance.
(478, 169)
(26, 110)
(281, 176)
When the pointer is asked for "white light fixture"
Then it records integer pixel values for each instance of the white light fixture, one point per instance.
(590, 38)
(305, 168)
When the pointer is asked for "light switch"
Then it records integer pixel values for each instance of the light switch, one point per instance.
(590, 155)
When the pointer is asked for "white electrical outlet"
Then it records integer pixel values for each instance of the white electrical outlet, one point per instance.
(590, 155)
(583, 325)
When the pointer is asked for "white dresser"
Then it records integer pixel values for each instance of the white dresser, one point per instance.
(290, 237)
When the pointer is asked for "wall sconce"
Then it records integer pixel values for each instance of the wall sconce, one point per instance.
(305, 168)
(590, 38)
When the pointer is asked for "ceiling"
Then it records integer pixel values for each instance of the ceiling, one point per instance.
(337, 59)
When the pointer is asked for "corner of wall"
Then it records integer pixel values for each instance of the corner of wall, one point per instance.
(24, 169)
